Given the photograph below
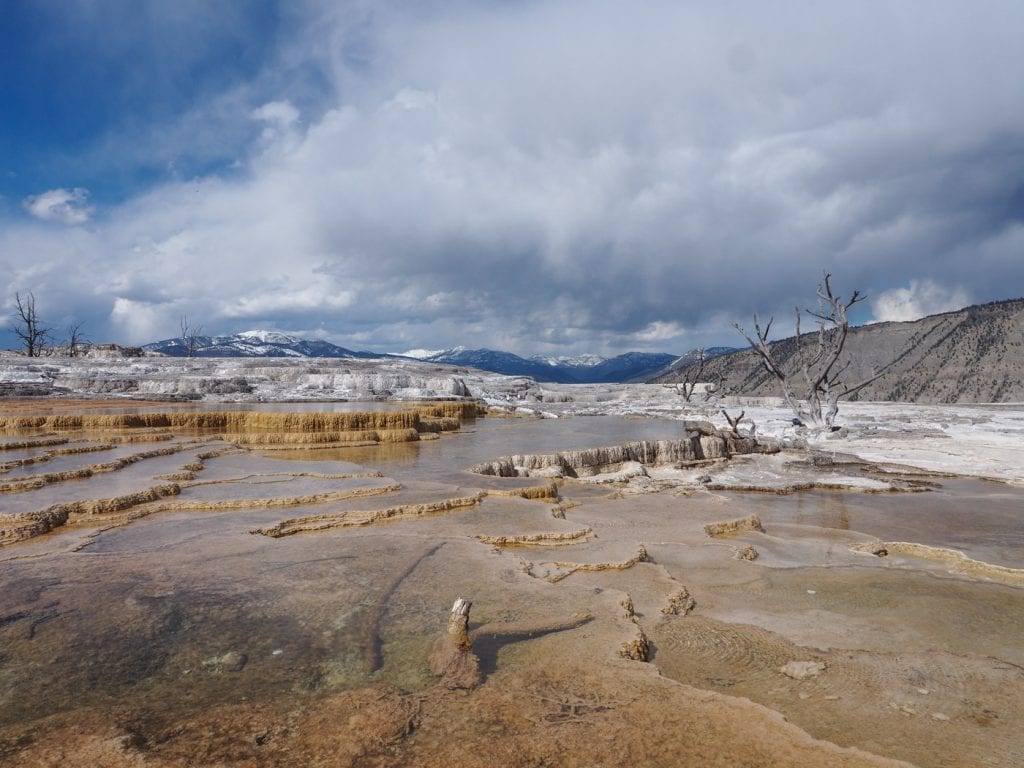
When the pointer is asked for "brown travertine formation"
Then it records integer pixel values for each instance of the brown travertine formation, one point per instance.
(538, 539)
(268, 429)
(747, 553)
(39, 442)
(421, 419)
(680, 603)
(38, 481)
(568, 569)
(451, 655)
(25, 525)
(595, 461)
(732, 527)
(628, 607)
(546, 492)
(637, 649)
(370, 517)
(242, 428)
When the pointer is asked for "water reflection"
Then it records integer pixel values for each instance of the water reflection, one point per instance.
(980, 518)
(172, 618)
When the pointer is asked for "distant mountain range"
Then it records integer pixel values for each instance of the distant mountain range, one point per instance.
(585, 369)
(588, 369)
(972, 355)
(255, 344)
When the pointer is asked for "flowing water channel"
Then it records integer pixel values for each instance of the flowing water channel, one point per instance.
(278, 608)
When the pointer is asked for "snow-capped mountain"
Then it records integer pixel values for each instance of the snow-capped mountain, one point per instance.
(255, 344)
(575, 362)
(579, 369)
(583, 369)
(500, 362)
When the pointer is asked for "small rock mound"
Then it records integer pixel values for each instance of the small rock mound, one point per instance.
(680, 603)
(732, 527)
(802, 670)
(747, 553)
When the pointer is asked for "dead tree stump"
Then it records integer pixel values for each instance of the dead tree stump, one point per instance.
(451, 655)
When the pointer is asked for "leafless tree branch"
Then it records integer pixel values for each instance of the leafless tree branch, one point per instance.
(76, 339)
(190, 336)
(734, 423)
(694, 375)
(28, 327)
(817, 358)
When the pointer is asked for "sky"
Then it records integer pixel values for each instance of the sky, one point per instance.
(559, 177)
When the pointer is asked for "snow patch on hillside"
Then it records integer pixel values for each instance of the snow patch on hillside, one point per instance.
(266, 337)
(423, 354)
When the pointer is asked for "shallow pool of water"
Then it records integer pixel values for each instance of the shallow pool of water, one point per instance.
(162, 625)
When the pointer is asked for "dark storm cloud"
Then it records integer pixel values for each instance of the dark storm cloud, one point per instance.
(586, 177)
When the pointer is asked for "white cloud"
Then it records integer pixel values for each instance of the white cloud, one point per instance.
(280, 120)
(922, 298)
(67, 206)
(658, 331)
(306, 300)
(575, 177)
(139, 322)
(281, 112)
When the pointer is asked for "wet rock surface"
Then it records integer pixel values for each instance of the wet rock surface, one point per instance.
(167, 634)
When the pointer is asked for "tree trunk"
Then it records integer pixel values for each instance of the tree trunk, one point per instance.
(451, 655)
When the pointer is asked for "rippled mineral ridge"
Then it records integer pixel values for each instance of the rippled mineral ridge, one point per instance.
(279, 607)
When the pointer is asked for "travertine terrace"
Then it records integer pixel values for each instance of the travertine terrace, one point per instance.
(273, 586)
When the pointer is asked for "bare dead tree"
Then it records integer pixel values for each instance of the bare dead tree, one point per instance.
(28, 327)
(76, 339)
(694, 375)
(717, 387)
(190, 336)
(818, 359)
(734, 423)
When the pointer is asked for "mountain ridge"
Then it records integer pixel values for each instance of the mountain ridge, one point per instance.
(255, 344)
(579, 369)
(970, 355)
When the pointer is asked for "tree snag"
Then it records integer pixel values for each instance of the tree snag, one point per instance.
(817, 359)
(693, 376)
(451, 655)
(190, 336)
(734, 423)
(34, 334)
(76, 339)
